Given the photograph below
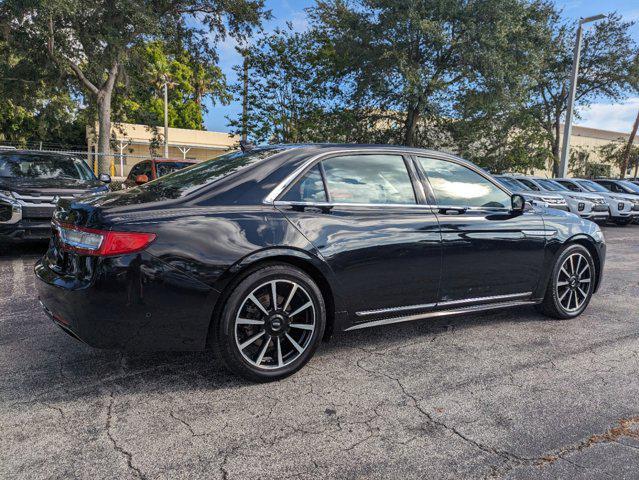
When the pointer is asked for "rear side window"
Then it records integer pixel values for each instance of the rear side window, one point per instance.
(458, 186)
(373, 179)
(310, 188)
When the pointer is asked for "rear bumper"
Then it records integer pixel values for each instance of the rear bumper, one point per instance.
(137, 303)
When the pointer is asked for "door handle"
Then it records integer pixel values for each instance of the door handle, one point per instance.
(452, 210)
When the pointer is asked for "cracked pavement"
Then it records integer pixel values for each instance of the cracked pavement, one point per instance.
(504, 394)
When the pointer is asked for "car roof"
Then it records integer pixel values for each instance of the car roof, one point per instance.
(25, 153)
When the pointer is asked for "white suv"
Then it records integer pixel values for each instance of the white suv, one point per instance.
(621, 205)
(591, 206)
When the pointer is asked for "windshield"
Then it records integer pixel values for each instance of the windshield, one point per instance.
(592, 186)
(629, 185)
(512, 184)
(187, 180)
(164, 168)
(43, 166)
(551, 185)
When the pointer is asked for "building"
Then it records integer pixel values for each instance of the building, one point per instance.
(133, 143)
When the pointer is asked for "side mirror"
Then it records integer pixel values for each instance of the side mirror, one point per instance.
(105, 178)
(518, 203)
(141, 179)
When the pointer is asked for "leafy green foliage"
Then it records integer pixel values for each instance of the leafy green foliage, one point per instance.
(140, 98)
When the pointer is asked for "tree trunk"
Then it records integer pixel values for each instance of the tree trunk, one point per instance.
(626, 153)
(411, 126)
(104, 134)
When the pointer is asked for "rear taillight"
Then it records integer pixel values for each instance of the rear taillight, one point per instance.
(89, 241)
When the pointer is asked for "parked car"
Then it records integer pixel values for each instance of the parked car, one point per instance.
(260, 254)
(31, 183)
(621, 206)
(148, 170)
(590, 206)
(619, 186)
(546, 199)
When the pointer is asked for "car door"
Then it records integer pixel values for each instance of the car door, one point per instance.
(487, 250)
(366, 215)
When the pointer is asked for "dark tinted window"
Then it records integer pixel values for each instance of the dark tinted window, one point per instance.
(529, 184)
(164, 168)
(310, 188)
(379, 179)
(592, 186)
(34, 166)
(458, 186)
(570, 185)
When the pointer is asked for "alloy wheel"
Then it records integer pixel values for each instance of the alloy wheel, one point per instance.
(574, 282)
(274, 324)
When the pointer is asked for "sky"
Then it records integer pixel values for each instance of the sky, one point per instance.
(601, 114)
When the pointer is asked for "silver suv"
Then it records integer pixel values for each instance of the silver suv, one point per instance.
(622, 206)
(591, 206)
(551, 200)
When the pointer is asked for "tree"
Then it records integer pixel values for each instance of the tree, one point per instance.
(35, 107)
(409, 63)
(90, 42)
(609, 65)
(139, 99)
(628, 150)
(287, 101)
(615, 153)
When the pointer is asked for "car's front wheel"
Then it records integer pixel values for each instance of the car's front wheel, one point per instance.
(571, 284)
(271, 324)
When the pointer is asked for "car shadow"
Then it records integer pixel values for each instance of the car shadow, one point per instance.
(65, 368)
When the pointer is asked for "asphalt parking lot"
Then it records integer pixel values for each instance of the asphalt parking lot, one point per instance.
(497, 395)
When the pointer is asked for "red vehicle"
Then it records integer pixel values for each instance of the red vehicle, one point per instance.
(148, 170)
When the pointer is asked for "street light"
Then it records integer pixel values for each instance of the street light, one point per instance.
(565, 151)
(166, 86)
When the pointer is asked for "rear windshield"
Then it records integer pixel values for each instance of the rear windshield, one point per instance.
(38, 166)
(187, 180)
(164, 168)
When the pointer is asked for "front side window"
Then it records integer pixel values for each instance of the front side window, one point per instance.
(310, 188)
(377, 179)
(458, 186)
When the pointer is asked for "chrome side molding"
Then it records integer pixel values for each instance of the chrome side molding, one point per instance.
(442, 313)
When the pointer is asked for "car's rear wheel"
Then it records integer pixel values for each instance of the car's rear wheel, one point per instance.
(571, 284)
(271, 324)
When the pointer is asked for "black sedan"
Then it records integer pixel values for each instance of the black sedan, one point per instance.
(260, 255)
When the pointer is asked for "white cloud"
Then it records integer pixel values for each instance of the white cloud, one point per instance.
(606, 116)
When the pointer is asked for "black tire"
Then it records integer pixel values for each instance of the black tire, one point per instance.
(557, 294)
(228, 334)
(622, 222)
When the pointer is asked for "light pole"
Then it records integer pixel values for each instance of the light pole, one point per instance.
(166, 119)
(565, 151)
